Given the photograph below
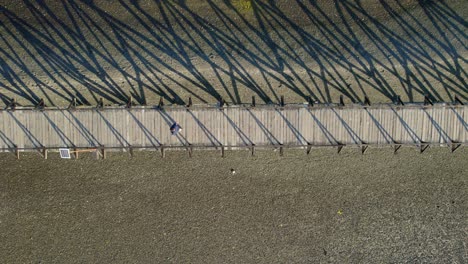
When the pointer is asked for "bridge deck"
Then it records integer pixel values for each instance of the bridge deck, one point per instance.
(237, 126)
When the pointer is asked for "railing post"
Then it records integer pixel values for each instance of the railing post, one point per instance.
(398, 100)
(342, 100)
(458, 101)
(41, 104)
(17, 153)
(12, 104)
(129, 102)
(100, 103)
(73, 104)
(427, 100)
(367, 101)
(189, 102)
(161, 103)
(310, 101)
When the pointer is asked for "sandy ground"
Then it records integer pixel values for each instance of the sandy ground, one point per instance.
(321, 208)
(57, 50)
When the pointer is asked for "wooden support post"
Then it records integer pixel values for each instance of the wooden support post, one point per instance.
(100, 103)
(423, 147)
(396, 147)
(103, 152)
(342, 100)
(252, 149)
(75, 151)
(340, 147)
(281, 150)
(163, 153)
(190, 150)
(189, 102)
(253, 101)
(458, 101)
(364, 149)
(130, 150)
(17, 153)
(427, 100)
(366, 100)
(455, 146)
(222, 151)
(309, 148)
(282, 101)
(44, 152)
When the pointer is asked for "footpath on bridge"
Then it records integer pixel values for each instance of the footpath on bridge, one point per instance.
(231, 127)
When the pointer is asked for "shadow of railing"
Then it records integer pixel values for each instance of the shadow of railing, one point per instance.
(387, 136)
(414, 136)
(120, 138)
(445, 138)
(36, 143)
(148, 134)
(270, 137)
(210, 136)
(245, 139)
(173, 49)
(63, 137)
(297, 134)
(7, 141)
(82, 129)
(328, 135)
(352, 134)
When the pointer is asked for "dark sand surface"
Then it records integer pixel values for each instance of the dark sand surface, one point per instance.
(404, 208)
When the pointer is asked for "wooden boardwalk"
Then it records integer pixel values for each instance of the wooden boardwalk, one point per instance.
(234, 126)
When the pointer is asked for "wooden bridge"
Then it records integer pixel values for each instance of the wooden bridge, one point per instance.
(299, 125)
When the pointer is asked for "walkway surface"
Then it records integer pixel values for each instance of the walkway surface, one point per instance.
(234, 126)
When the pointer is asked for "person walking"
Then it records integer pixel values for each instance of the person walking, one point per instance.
(175, 128)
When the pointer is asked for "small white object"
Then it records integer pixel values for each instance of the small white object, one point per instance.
(233, 171)
(65, 153)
